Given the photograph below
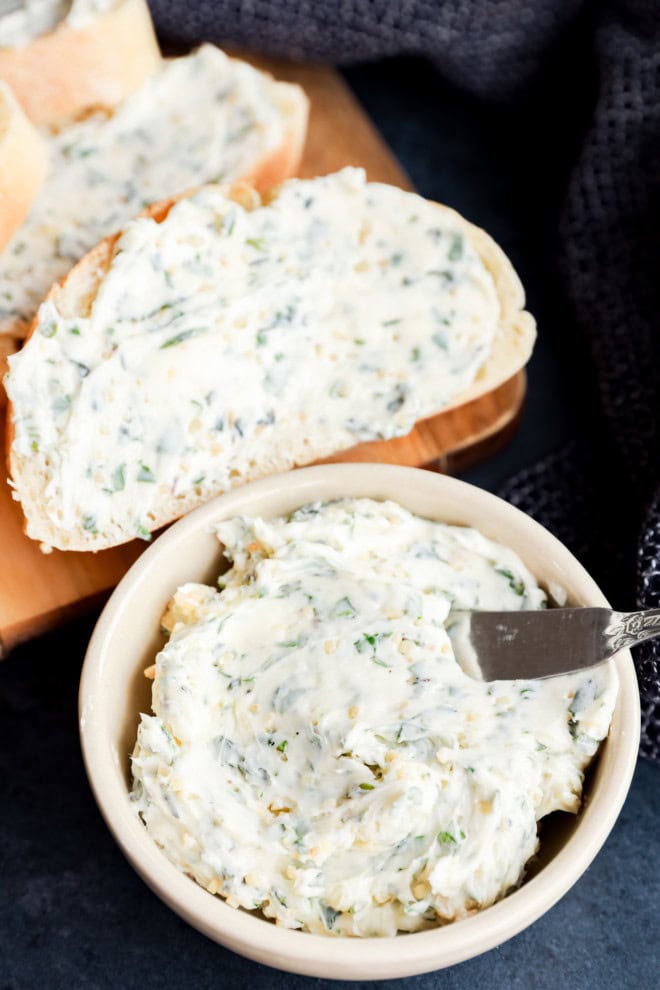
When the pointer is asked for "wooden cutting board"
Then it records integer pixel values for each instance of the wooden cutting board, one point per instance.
(39, 591)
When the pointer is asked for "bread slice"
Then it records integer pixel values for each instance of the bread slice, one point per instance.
(7, 346)
(201, 118)
(94, 57)
(226, 337)
(23, 165)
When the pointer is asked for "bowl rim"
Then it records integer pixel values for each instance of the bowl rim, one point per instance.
(304, 952)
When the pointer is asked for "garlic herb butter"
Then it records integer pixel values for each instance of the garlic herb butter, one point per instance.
(227, 342)
(316, 751)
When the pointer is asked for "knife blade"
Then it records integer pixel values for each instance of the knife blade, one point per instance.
(546, 642)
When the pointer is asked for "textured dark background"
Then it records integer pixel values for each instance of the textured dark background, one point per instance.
(72, 912)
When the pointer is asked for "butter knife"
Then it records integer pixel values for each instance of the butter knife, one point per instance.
(494, 646)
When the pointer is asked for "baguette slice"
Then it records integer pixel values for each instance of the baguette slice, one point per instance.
(7, 346)
(23, 165)
(93, 59)
(224, 337)
(202, 118)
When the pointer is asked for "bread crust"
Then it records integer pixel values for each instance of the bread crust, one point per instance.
(72, 69)
(23, 165)
(7, 346)
(511, 350)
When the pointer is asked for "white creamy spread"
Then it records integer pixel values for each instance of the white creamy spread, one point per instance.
(316, 750)
(201, 118)
(23, 21)
(223, 341)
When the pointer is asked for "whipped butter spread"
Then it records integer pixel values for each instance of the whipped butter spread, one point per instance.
(25, 21)
(316, 751)
(225, 343)
(201, 118)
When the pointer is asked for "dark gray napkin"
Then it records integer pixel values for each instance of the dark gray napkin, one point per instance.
(603, 497)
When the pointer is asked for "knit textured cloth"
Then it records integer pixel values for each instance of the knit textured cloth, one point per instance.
(601, 498)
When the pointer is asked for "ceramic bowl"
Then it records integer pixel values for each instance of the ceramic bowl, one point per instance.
(113, 691)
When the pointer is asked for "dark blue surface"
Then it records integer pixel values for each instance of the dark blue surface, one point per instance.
(73, 913)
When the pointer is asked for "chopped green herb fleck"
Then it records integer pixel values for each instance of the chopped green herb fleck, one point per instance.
(89, 524)
(344, 608)
(180, 337)
(329, 914)
(391, 323)
(143, 533)
(285, 315)
(366, 787)
(284, 697)
(146, 474)
(282, 746)
(118, 479)
(258, 243)
(446, 838)
(514, 583)
(455, 252)
(584, 696)
(61, 403)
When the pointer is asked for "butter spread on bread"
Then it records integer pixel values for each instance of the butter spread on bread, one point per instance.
(231, 341)
(202, 118)
(316, 750)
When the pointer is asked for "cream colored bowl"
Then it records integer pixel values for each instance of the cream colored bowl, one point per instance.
(113, 691)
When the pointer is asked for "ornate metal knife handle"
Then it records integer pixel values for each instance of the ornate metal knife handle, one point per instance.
(628, 629)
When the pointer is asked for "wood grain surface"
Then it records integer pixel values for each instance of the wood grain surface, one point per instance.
(38, 591)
